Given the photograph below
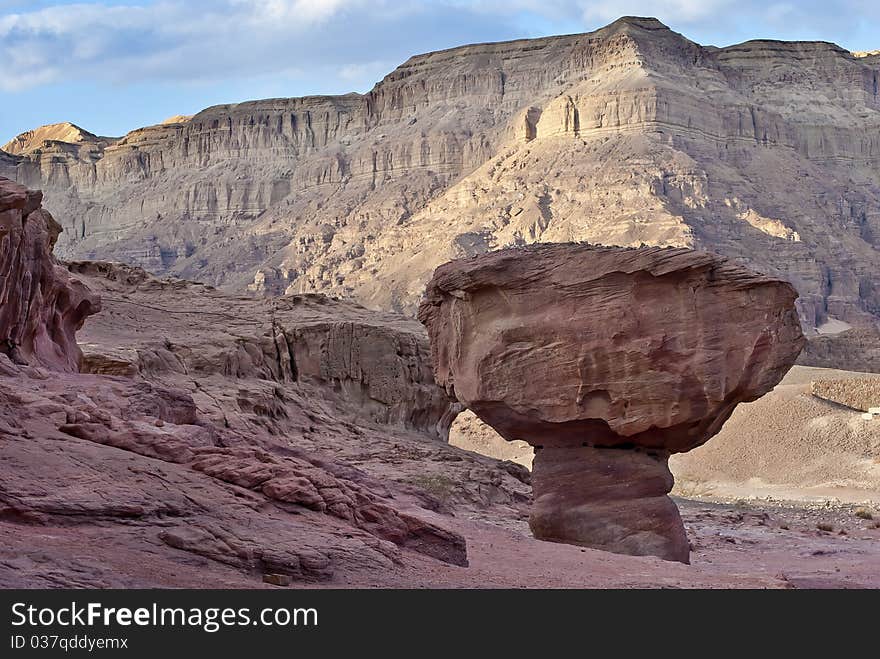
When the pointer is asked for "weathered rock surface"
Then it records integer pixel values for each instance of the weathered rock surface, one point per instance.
(376, 366)
(631, 134)
(213, 431)
(373, 405)
(607, 360)
(204, 393)
(157, 431)
(41, 305)
(852, 350)
(182, 458)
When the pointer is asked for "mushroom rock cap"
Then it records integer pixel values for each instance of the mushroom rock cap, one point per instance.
(573, 344)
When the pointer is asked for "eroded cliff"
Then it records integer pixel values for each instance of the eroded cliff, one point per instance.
(205, 429)
(41, 305)
(766, 152)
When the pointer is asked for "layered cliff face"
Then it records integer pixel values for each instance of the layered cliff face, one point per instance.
(766, 152)
(365, 365)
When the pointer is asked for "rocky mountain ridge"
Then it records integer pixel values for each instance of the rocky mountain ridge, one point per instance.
(44, 137)
(766, 152)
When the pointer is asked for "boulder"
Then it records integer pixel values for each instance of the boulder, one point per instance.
(607, 360)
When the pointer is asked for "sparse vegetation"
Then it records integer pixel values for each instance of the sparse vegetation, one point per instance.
(438, 485)
(824, 526)
(864, 513)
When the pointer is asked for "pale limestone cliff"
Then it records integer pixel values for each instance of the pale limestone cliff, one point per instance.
(766, 152)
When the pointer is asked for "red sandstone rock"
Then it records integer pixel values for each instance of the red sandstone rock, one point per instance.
(199, 465)
(607, 360)
(41, 305)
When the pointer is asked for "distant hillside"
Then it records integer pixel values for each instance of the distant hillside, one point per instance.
(766, 151)
(42, 138)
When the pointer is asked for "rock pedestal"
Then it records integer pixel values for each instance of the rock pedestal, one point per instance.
(607, 360)
(607, 498)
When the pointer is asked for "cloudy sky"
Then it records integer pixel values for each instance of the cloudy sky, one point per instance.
(114, 65)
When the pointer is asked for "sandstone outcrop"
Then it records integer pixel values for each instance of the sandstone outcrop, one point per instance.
(630, 134)
(140, 476)
(375, 366)
(189, 452)
(607, 360)
(41, 305)
(336, 378)
(211, 430)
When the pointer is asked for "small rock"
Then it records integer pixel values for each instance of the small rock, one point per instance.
(277, 579)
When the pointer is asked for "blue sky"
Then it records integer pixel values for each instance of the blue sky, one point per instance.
(114, 65)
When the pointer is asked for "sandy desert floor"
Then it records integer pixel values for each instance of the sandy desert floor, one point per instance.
(735, 545)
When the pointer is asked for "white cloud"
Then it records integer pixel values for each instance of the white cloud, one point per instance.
(366, 70)
(300, 10)
(193, 41)
(166, 38)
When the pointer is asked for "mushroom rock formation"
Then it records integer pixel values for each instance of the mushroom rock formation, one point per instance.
(607, 360)
(41, 305)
